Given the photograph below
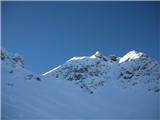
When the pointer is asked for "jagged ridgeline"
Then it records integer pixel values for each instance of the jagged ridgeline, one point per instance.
(13, 58)
(92, 72)
(89, 73)
(16, 63)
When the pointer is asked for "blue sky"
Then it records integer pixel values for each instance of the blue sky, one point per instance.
(49, 33)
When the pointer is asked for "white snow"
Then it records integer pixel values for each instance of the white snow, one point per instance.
(28, 98)
(131, 56)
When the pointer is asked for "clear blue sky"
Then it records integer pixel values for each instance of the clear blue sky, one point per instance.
(49, 33)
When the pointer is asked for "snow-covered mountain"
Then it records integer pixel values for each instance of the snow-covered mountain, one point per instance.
(89, 87)
(133, 69)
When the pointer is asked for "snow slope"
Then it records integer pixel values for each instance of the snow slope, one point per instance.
(82, 88)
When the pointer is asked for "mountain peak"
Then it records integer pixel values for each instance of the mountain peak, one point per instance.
(131, 56)
(98, 54)
(92, 72)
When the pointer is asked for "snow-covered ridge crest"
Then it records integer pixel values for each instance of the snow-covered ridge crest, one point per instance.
(131, 56)
(11, 58)
(51, 71)
(94, 56)
(13, 65)
(77, 58)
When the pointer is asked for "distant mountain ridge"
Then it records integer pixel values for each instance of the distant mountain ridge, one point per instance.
(89, 73)
(88, 87)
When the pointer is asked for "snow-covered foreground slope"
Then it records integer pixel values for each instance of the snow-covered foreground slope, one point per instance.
(80, 89)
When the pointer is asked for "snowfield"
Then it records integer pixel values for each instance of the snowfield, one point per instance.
(93, 87)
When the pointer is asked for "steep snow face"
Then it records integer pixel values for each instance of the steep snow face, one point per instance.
(89, 73)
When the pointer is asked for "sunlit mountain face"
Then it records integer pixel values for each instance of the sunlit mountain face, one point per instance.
(88, 87)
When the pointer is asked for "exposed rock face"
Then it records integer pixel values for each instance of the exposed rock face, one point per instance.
(134, 68)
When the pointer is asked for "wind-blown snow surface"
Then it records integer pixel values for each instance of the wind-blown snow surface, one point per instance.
(95, 87)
